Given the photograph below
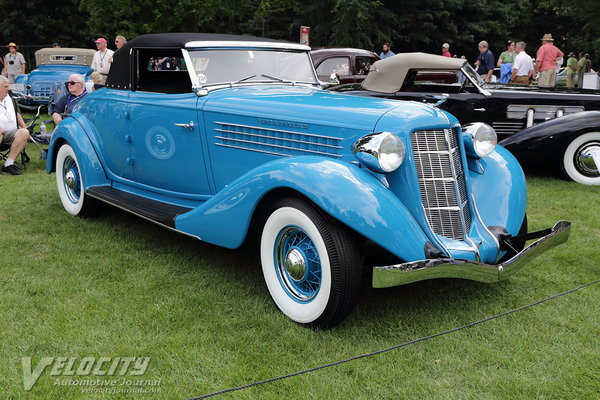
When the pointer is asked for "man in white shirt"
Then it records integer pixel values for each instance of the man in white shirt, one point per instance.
(523, 67)
(13, 130)
(102, 59)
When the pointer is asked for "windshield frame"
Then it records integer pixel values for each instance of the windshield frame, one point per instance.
(474, 78)
(203, 89)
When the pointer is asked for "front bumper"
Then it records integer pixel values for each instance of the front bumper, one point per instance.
(401, 274)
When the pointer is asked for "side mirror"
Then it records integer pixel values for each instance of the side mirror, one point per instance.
(334, 79)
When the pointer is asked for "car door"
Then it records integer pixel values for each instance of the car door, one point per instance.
(165, 142)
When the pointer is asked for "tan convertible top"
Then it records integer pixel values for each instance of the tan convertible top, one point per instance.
(387, 75)
(64, 55)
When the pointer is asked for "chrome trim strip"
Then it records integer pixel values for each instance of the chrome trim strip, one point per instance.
(191, 71)
(279, 138)
(246, 45)
(486, 228)
(279, 130)
(401, 274)
(275, 145)
(256, 150)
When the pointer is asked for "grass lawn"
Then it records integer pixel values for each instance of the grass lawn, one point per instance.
(118, 286)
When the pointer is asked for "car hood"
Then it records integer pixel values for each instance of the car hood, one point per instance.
(314, 109)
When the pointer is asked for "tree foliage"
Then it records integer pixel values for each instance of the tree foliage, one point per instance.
(410, 25)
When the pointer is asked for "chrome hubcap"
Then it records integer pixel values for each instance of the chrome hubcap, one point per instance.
(587, 159)
(295, 264)
(70, 180)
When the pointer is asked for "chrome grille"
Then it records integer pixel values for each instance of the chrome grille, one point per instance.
(442, 181)
(275, 141)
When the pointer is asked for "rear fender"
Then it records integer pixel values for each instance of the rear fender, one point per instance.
(346, 192)
(71, 131)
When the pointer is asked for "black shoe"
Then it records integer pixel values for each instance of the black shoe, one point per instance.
(11, 169)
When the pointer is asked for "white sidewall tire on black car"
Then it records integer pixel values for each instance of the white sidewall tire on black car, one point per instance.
(569, 161)
(328, 303)
(69, 182)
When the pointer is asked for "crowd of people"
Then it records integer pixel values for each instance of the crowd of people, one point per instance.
(517, 67)
(13, 131)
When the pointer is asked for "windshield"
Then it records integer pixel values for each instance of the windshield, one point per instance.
(244, 65)
(467, 69)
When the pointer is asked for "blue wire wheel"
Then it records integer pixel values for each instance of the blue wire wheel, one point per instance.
(297, 264)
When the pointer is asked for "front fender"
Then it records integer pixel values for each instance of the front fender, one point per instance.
(344, 191)
(500, 192)
(71, 131)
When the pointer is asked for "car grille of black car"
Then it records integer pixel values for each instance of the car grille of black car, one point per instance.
(442, 182)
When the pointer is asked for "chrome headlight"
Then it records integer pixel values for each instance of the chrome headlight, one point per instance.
(480, 139)
(380, 152)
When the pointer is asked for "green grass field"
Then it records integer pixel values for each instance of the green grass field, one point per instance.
(118, 286)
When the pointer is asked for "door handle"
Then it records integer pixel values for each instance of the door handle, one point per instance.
(189, 126)
(479, 109)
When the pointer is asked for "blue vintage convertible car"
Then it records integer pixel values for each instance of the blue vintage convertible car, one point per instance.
(210, 135)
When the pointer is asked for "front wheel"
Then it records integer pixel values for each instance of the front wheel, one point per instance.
(310, 263)
(70, 184)
(581, 159)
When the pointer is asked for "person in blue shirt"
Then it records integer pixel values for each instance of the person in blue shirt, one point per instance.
(485, 62)
(65, 104)
(387, 51)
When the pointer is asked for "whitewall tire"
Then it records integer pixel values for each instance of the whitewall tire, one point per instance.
(69, 182)
(310, 264)
(581, 159)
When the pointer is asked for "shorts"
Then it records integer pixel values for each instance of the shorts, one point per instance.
(8, 137)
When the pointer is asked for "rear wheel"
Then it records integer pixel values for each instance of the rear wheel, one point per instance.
(581, 159)
(310, 263)
(69, 182)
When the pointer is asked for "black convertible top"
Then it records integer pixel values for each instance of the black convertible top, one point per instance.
(120, 70)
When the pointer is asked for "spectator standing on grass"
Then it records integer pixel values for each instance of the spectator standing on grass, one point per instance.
(523, 67)
(580, 69)
(485, 62)
(387, 51)
(545, 61)
(65, 104)
(588, 63)
(446, 50)
(571, 70)
(14, 63)
(506, 61)
(13, 130)
(102, 58)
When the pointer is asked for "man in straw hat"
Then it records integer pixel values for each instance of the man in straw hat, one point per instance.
(14, 63)
(545, 61)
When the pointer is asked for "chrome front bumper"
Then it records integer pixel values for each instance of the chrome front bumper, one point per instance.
(401, 274)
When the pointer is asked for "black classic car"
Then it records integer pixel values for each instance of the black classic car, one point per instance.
(508, 108)
(350, 65)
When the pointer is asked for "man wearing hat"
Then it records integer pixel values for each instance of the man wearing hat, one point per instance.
(102, 59)
(571, 70)
(14, 63)
(545, 61)
(446, 50)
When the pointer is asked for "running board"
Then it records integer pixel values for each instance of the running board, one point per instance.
(156, 211)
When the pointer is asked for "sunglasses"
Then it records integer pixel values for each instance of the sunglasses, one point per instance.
(70, 83)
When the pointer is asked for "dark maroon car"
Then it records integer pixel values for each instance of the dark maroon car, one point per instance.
(351, 65)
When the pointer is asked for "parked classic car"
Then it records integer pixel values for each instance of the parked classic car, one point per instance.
(53, 66)
(243, 136)
(350, 65)
(570, 143)
(508, 108)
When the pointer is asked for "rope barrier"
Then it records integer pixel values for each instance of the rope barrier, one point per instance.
(393, 347)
